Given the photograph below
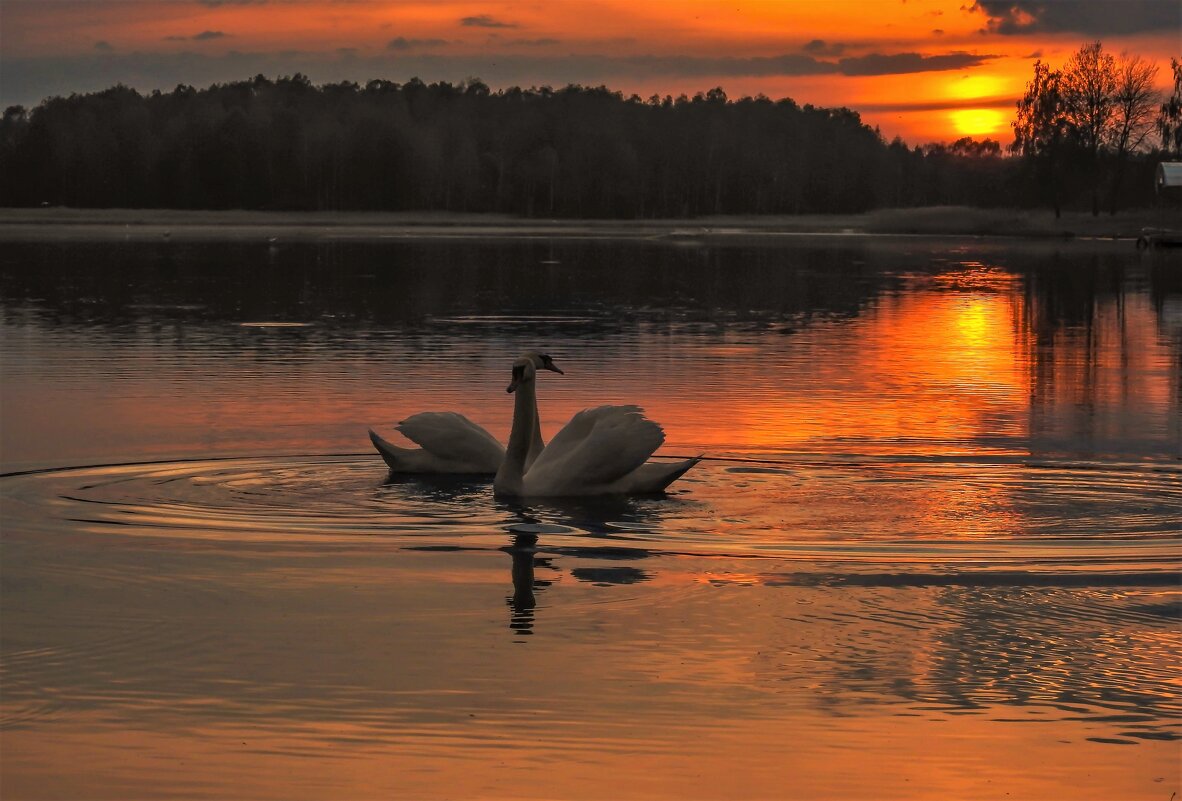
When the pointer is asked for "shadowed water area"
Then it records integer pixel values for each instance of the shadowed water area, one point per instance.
(933, 551)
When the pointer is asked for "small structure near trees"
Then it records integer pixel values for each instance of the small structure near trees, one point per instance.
(1168, 181)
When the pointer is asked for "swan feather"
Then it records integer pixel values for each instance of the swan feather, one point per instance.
(449, 442)
(595, 452)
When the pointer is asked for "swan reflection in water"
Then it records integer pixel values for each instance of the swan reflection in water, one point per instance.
(608, 517)
(593, 520)
(523, 601)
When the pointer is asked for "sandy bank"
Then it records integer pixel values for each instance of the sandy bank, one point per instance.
(67, 224)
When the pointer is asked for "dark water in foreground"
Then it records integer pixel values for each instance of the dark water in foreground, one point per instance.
(933, 553)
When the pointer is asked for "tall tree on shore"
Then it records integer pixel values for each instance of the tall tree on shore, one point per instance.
(1169, 120)
(1089, 90)
(1135, 105)
(1043, 130)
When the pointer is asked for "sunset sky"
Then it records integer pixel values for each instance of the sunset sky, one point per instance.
(926, 70)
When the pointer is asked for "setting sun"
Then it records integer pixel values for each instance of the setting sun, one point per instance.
(978, 121)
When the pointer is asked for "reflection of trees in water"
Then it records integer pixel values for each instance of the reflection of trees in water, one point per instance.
(959, 644)
(1093, 335)
(565, 287)
(1049, 646)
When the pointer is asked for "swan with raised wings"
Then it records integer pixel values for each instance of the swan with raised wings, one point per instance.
(450, 443)
(601, 451)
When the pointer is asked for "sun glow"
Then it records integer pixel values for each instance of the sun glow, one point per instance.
(974, 86)
(978, 121)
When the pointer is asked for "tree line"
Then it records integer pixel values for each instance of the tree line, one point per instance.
(570, 152)
(1079, 127)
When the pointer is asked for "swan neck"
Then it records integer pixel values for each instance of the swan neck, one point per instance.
(521, 438)
(536, 444)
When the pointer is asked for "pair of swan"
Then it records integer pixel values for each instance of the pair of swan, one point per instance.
(601, 451)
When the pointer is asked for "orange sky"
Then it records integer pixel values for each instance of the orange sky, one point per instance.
(923, 69)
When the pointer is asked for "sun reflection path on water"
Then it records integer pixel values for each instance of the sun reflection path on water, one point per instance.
(932, 372)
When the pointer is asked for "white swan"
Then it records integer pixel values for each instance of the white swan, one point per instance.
(601, 451)
(450, 443)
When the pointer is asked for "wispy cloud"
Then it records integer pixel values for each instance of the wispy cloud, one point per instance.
(798, 65)
(906, 63)
(996, 102)
(486, 21)
(819, 47)
(402, 43)
(204, 36)
(103, 46)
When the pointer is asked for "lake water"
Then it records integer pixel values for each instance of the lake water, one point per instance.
(933, 552)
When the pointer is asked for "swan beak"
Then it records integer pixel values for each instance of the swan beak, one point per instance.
(512, 386)
(553, 368)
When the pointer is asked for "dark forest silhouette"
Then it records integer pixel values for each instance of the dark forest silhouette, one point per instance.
(572, 152)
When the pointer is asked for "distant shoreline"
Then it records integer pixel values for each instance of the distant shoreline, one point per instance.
(82, 225)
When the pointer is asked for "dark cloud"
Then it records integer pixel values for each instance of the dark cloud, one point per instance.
(905, 63)
(790, 64)
(939, 105)
(694, 66)
(819, 47)
(103, 46)
(216, 3)
(204, 36)
(937, 31)
(402, 43)
(485, 21)
(1091, 17)
(533, 42)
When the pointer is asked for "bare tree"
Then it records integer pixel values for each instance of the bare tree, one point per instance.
(1134, 114)
(1089, 89)
(1042, 129)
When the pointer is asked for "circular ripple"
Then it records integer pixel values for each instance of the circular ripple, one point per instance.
(863, 509)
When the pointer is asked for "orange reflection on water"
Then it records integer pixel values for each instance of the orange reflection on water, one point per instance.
(939, 371)
(1103, 372)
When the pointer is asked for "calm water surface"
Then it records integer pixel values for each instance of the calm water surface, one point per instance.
(933, 553)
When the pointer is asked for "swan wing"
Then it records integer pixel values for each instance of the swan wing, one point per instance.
(653, 477)
(396, 458)
(453, 437)
(595, 449)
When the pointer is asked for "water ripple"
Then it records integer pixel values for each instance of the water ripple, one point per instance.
(873, 510)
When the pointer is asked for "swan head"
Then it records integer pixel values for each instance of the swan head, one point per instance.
(526, 368)
(543, 361)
